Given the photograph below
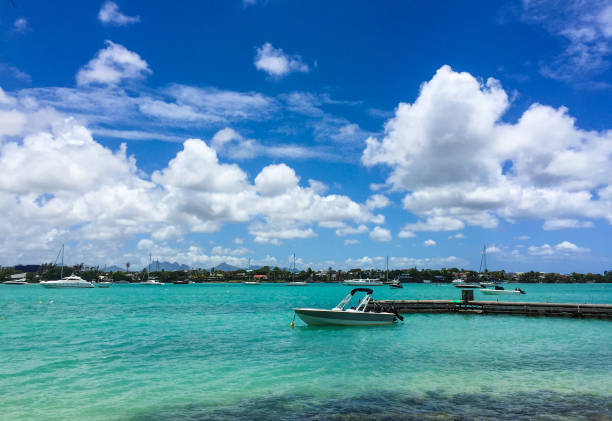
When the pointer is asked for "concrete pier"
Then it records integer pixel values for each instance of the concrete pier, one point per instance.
(603, 311)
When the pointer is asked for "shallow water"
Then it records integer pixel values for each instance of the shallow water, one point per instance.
(224, 352)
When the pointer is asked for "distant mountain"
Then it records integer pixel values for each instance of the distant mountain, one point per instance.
(155, 266)
(225, 267)
(168, 266)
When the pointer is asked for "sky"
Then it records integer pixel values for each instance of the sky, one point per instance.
(344, 132)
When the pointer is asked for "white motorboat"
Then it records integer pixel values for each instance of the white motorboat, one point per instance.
(18, 279)
(466, 285)
(104, 284)
(15, 282)
(395, 284)
(354, 316)
(501, 291)
(151, 281)
(366, 282)
(293, 282)
(71, 281)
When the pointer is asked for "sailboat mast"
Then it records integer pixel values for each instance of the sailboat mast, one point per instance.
(387, 272)
(293, 273)
(62, 269)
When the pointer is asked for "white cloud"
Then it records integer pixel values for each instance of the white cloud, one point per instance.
(377, 201)
(20, 25)
(349, 230)
(110, 14)
(406, 234)
(276, 63)
(380, 234)
(170, 110)
(456, 236)
(436, 223)
(136, 135)
(492, 249)
(400, 262)
(238, 241)
(218, 250)
(429, 243)
(523, 237)
(542, 166)
(586, 28)
(563, 249)
(557, 223)
(275, 180)
(112, 65)
(350, 241)
(265, 233)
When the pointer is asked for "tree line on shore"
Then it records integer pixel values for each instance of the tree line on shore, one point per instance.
(49, 271)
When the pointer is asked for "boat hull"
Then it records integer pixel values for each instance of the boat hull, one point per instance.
(466, 286)
(363, 284)
(318, 317)
(295, 284)
(66, 285)
(498, 291)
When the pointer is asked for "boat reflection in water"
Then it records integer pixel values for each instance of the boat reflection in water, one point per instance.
(354, 316)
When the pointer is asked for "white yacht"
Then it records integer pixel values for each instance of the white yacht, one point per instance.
(19, 279)
(71, 281)
(366, 282)
(151, 281)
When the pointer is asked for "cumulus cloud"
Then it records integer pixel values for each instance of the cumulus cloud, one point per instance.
(401, 262)
(112, 65)
(429, 243)
(378, 201)
(110, 14)
(493, 249)
(276, 63)
(563, 249)
(275, 180)
(542, 166)
(456, 236)
(560, 223)
(380, 234)
(350, 230)
(350, 241)
(63, 182)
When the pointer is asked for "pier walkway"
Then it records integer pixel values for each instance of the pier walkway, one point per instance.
(603, 311)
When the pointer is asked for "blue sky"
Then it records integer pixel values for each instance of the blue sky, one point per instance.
(342, 131)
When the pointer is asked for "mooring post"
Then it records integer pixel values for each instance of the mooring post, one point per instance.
(467, 295)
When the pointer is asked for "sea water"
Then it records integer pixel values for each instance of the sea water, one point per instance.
(227, 352)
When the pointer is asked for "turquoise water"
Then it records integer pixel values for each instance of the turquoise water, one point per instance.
(223, 352)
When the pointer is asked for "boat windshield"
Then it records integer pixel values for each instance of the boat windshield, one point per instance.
(363, 304)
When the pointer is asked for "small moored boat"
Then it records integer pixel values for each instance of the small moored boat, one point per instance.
(355, 316)
(363, 282)
(501, 291)
(71, 281)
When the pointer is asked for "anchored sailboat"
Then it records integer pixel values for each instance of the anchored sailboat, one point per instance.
(293, 281)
